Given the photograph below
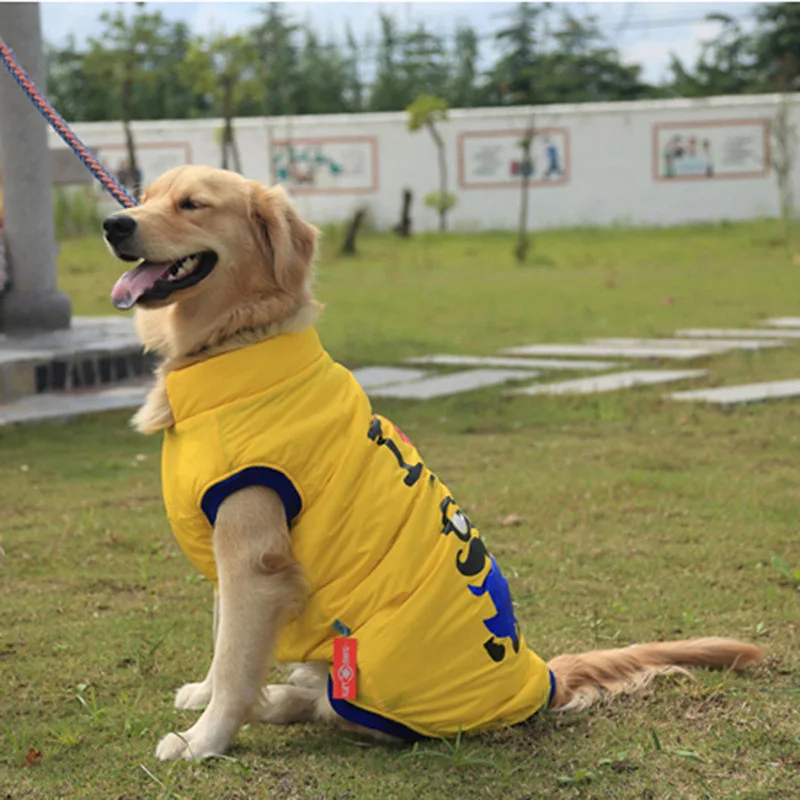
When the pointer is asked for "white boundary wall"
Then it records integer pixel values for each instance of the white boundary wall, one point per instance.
(643, 163)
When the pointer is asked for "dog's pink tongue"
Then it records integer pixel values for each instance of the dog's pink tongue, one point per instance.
(134, 283)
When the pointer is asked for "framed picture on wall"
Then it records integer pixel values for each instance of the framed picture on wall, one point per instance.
(152, 158)
(326, 165)
(711, 150)
(494, 159)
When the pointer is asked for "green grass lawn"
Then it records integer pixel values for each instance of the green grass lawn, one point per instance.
(635, 518)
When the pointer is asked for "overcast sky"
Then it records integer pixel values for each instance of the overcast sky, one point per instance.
(645, 33)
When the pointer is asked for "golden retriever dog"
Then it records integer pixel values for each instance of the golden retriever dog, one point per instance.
(330, 544)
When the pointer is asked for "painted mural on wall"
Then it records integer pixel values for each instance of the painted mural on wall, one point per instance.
(494, 159)
(707, 150)
(336, 165)
(153, 161)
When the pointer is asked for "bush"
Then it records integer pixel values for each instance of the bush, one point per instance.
(440, 202)
(76, 212)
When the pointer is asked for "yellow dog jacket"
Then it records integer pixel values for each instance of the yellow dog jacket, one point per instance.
(387, 552)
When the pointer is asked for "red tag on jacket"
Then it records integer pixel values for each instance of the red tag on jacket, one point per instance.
(344, 668)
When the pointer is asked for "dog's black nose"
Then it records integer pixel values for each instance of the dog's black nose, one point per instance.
(118, 227)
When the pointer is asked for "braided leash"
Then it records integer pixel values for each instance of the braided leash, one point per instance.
(108, 181)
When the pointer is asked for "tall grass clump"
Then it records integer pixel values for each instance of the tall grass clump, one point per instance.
(76, 211)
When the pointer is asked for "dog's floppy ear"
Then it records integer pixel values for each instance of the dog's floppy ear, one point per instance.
(292, 241)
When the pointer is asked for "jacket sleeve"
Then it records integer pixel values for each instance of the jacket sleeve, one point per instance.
(274, 479)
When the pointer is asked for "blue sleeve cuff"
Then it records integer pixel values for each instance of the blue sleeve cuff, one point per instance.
(370, 719)
(252, 476)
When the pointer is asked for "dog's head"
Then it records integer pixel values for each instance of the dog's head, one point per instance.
(215, 253)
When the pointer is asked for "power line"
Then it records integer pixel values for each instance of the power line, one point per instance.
(635, 25)
(672, 23)
(624, 23)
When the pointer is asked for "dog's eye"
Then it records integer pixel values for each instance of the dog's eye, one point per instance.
(188, 204)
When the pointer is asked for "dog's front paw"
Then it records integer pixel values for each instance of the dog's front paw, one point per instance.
(211, 735)
(193, 695)
(184, 745)
(172, 747)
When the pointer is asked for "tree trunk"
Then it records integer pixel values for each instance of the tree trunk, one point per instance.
(237, 161)
(403, 228)
(521, 250)
(349, 246)
(227, 124)
(782, 158)
(133, 165)
(442, 176)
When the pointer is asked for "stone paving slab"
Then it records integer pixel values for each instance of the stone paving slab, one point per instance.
(98, 337)
(522, 363)
(733, 334)
(117, 319)
(610, 351)
(66, 405)
(720, 345)
(783, 322)
(611, 383)
(746, 393)
(371, 377)
(455, 383)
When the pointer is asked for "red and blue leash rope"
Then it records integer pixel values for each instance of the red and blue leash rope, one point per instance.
(107, 180)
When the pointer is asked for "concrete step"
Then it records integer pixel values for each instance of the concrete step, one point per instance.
(68, 404)
(94, 352)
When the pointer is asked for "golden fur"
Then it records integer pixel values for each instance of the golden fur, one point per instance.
(261, 287)
(246, 224)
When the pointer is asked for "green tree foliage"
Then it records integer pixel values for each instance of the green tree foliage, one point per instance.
(551, 55)
(76, 95)
(224, 70)
(354, 83)
(279, 61)
(173, 90)
(513, 79)
(423, 67)
(765, 58)
(582, 66)
(387, 90)
(777, 47)
(324, 78)
(545, 53)
(726, 64)
(126, 60)
(463, 91)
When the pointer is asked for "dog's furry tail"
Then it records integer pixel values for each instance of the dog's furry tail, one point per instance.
(584, 678)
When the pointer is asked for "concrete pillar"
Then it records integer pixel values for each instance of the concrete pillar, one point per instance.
(33, 302)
